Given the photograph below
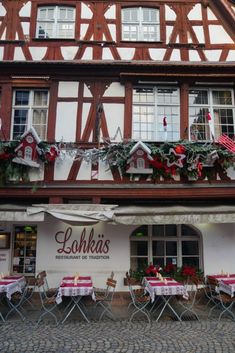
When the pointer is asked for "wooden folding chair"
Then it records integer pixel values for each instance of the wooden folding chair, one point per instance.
(104, 298)
(221, 300)
(188, 304)
(48, 304)
(139, 301)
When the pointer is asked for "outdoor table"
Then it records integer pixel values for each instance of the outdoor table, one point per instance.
(167, 289)
(75, 290)
(10, 285)
(226, 283)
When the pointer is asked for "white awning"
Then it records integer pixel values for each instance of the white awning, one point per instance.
(15, 213)
(76, 214)
(174, 215)
(85, 214)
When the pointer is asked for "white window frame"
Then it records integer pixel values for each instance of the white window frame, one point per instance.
(147, 115)
(210, 127)
(140, 25)
(55, 23)
(30, 108)
(179, 238)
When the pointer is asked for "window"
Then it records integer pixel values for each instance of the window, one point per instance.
(150, 106)
(219, 104)
(165, 244)
(140, 24)
(55, 22)
(30, 108)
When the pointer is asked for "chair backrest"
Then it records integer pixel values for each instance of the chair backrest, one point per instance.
(41, 289)
(111, 286)
(112, 275)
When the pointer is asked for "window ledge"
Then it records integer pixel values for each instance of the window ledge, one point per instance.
(54, 39)
(186, 45)
(8, 41)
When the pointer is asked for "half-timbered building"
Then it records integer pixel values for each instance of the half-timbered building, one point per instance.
(133, 108)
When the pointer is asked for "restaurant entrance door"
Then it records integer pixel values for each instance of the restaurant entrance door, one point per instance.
(24, 249)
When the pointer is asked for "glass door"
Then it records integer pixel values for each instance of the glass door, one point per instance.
(24, 249)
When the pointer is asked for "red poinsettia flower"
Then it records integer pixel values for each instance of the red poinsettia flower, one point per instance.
(188, 271)
(152, 270)
(169, 268)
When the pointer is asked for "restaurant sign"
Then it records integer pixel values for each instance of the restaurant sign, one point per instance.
(88, 245)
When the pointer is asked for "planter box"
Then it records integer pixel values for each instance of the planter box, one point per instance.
(133, 282)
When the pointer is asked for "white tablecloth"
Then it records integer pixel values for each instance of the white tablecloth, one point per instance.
(69, 289)
(166, 287)
(11, 285)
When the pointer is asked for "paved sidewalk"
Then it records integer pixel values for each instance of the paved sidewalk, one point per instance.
(120, 336)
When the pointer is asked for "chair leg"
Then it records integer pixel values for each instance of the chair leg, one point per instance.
(143, 311)
(46, 311)
(106, 310)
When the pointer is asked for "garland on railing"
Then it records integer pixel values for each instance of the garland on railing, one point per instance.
(191, 160)
(10, 169)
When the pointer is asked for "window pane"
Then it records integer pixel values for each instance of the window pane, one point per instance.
(158, 261)
(158, 248)
(223, 122)
(139, 263)
(222, 97)
(40, 98)
(190, 261)
(171, 248)
(198, 97)
(140, 232)
(170, 230)
(139, 248)
(22, 98)
(190, 247)
(158, 230)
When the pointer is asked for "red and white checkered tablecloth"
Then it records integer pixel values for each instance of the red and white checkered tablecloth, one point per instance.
(166, 287)
(226, 283)
(70, 288)
(11, 285)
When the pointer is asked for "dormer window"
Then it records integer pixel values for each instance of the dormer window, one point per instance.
(55, 22)
(140, 24)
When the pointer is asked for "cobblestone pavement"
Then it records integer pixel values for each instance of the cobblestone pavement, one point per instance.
(75, 335)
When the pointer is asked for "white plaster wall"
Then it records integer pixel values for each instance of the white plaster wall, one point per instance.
(26, 9)
(85, 11)
(111, 12)
(62, 167)
(5, 261)
(66, 118)
(219, 247)
(99, 269)
(218, 35)
(115, 90)
(37, 52)
(2, 10)
(126, 53)
(115, 119)
(18, 54)
(68, 89)
(195, 13)
(1, 53)
(218, 251)
(69, 52)
(218, 242)
(170, 14)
